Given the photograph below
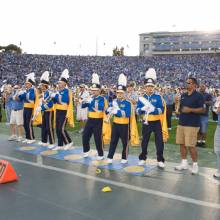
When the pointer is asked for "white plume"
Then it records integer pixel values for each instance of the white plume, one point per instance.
(45, 76)
(151, 73)
(122, 80)
(95, 78)
(31, 76)
(65, 74)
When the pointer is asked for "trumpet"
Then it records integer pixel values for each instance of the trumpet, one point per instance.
(110, 114)
(146, 103)
(43, 101)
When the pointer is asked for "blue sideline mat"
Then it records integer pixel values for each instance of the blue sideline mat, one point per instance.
(75, 155)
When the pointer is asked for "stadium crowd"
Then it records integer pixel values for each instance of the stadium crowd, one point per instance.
(171, 69)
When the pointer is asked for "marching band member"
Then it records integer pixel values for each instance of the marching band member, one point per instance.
(96, 108)
(46, 107)
(121, 109)
(152, 115)
(64, 112)
(81, 113)
(29, 97)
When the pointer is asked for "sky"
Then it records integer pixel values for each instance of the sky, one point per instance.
(95, 27)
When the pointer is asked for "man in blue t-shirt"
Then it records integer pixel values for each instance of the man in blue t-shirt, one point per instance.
(191, 106)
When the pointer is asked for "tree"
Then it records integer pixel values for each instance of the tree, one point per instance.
(11, 48)
(118, 52)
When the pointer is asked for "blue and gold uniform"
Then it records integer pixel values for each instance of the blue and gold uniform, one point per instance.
(120, 128)
(96, 109)
(29, 101)
(61, 100)
(47, 119)
(154, 125)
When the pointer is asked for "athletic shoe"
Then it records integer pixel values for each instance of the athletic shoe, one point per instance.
(50, 146)
(40, 143)
(161, 164)
(58, 148)
(86, 154)
(68, 146)
(100, 158)
(24, 141)
(109, 161)
(30, 141)
(123, 161)
(19, 139)
(44, 144)
(141, 162)
(217, 174)
(182, 166)
(12, 138)
(195, 168)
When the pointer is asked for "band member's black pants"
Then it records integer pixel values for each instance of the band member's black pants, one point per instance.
(47, 127)
(153, 126)
(119, 131)
(169, 115)
(62, 135)
(93, 126)
(28, 126)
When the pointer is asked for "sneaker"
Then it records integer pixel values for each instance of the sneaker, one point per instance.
(44, 144)
(19, 139)
(100, 158)
(86, 154)
(12, 138)
(109, 161)
(81, 131)
(141, 162)
(195, 168)
(123, 161)
(40, 143)
(58, 148)
(161, 164)
(24, 141)
(30, 141)
(68, 146)
(217, 174)
(182, 166)
(51, 146)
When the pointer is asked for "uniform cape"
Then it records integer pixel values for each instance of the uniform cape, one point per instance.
(38, 116)
(163, 121)
(134, 136)
(106, 127)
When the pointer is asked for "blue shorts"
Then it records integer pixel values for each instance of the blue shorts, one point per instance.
(204, 124)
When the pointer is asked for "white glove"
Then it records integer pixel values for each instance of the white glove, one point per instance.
(114, 111)
(20, 92)
(88, 100)
(53, 94)
(109, 109)
(38, 109)
(148, 109)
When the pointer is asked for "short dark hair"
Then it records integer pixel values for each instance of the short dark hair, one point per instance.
(193, 80)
